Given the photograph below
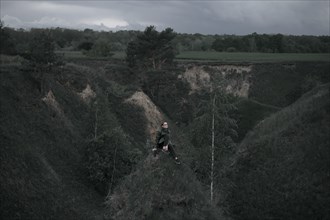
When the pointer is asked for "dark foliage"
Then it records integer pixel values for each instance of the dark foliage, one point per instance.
(151, 49)
(86, 45)
(272, 43)
(281, 85)
(212, 133)
(123, 75)
(68, 39)
(170, 94)
(42, 49)
(6, 44)
(108, 159)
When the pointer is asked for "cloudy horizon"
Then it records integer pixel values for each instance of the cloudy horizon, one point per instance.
(297, 17)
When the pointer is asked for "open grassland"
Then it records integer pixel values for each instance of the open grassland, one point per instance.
(250, 57)
(212, 56)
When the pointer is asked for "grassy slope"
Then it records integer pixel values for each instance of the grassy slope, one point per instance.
(42, 152)
(281, 85)
(249, 113)
(282, 170)
(160, 189)
(41, 175)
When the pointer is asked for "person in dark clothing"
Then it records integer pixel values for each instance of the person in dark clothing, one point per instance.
(164, 143)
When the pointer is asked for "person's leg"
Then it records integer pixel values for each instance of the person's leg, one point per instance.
(172, 151)
(157, 149)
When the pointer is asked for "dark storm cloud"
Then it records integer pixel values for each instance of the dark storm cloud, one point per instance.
(207, 17)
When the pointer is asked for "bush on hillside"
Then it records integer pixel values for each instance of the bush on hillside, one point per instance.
(110, 155)
(122, 74)
(170, 94)
(42, 49)
(109, 158)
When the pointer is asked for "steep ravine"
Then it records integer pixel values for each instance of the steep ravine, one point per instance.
(277, 84)
(48, 119)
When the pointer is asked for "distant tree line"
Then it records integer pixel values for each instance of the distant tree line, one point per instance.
(277, 43)
(16, 41)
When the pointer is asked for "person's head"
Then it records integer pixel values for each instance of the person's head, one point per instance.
(164, 124)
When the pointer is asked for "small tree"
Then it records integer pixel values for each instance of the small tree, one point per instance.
(109, 155)
(101, 48)
(6, 44)
(42, 49)
(151, 49)
(222, 130)
(85, 45)
(108, 159)
(212, 136)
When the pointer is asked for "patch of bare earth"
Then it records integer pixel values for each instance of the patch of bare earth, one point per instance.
(52, 103)
(197, 77)
(87, 95)
(237, 77)
(151, 111)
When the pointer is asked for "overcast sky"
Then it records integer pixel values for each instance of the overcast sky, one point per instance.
(310, 17)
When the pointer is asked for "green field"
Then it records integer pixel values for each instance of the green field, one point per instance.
(211, 56)
(250, 57)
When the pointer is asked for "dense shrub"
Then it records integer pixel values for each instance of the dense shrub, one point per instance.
(170, 94)
(109, 158)
(42, 49)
